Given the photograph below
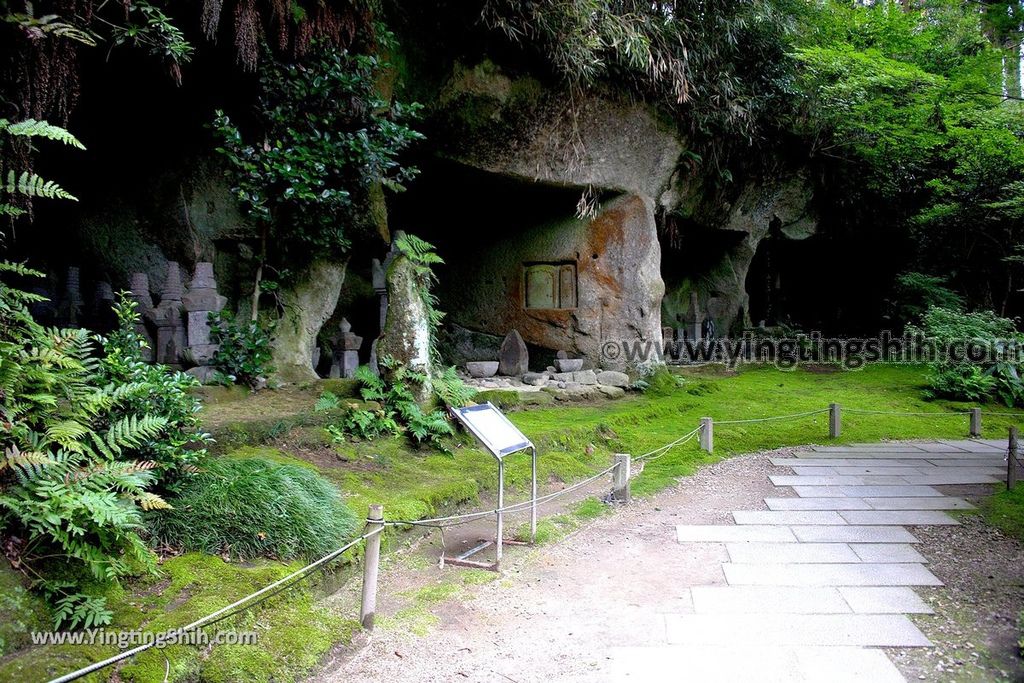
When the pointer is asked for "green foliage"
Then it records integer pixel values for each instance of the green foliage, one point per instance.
(149, 28)
(399, 412)
(451, 390)
(956, 376)
(79, 609)
(251, 507)
(905, 107)
(723, 66)
(244, 353)
(22, 184)
(85, 440)
(151, 389)
(324, 135)
(915, 293)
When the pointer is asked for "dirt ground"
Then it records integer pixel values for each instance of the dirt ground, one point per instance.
(555, 610)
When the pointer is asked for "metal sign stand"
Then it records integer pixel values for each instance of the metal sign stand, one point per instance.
(501, 438)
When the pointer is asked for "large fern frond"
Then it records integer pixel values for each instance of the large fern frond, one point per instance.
(32, 185)
(33, 128)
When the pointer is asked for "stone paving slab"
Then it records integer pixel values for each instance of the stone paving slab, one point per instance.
(887, 447)
(976, 445)
(883, 471)
(898, 517)
(939, 447)
(784, 517)
(947, 479)
(943, 503)
(792, 553)
(836, 503)
(884, 600)
(825, 574)
(848, 462)
(768, 600)
(794, 629)
(906, 491)
(725, 533)
(851, 534)
(972, 463)
(749, 663)
(884, 552)
(836, 480)
(897, 455)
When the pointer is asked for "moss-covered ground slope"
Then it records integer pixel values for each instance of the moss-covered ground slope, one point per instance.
(298, 628)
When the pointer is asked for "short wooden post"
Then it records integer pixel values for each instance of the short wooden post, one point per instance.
(1011, 460)
(620, 478)
(975, 422)
(371, 564)
(835, 420)
(707, 434)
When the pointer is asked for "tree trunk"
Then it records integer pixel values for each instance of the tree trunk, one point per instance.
(307, 306)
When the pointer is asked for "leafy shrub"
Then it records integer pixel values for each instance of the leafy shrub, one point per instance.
(244, 354)
(917, 292)
(399, 412)
(962, 381)
(959, 379)
(153, 389)
(71, 487)
(251, 507)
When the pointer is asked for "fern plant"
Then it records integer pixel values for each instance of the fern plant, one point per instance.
(74, 478)
(399, 413)
(25, 184)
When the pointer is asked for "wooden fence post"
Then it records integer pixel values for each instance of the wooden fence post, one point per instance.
(1011, 460)
(835, 420)
(975, 422)
(371, 564)
(707, 434)
(620, 478)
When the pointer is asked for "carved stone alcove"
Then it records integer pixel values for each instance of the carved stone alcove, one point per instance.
(549, 285)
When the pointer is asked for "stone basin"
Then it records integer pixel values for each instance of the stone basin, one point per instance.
(482, 368)
(569, 364)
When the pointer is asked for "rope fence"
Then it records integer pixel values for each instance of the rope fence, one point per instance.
(376, 523)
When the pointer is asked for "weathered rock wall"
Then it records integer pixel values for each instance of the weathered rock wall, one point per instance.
(617, 259)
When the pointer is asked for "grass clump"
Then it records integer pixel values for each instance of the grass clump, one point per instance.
(253, 507)
(1005, 510)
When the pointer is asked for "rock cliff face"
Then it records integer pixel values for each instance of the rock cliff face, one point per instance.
(570, 284)
(600, 146)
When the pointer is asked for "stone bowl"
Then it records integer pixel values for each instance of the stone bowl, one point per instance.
(569, 364)
(482, 368)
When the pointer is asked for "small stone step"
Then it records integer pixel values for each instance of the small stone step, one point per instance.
(768, 600)
(783, 517)
(950, 478)
(723, 533)
(943, 503)
(851, 534)
(836, 480)
(786, 553)
(816, 504)
(863, 574)
(906, 491)
(885, 552)
(898, 517)
(748, 663)
(867, 630)
(884, 600)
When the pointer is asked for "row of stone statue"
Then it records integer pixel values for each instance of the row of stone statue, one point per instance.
(176, 326)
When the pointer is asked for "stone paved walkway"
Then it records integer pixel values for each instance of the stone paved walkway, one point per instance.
(817, 583)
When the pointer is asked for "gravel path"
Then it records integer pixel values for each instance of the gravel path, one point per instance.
(558, 611)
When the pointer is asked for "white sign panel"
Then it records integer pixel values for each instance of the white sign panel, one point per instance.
(493, 429)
